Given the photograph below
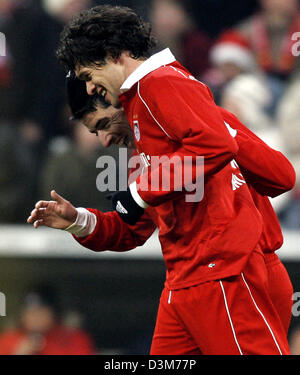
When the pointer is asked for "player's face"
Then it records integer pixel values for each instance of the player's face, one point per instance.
(106, 80)
(110, 125)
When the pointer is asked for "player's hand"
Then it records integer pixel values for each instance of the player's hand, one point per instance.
(126, 207)
(58, 213)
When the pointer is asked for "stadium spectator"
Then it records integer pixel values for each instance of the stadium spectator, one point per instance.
(294, 341)
(72, 163)
(17, 187)
(174, 27)
(71, 168)
(244, 91)
(32, 98)
(288, 122)
(269, 32)
(19, 22)
(40, 331)
(117, 65)
(49, 107)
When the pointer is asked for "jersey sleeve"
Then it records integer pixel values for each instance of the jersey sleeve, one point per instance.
(112, 233)
(188, 115)
(266, 169)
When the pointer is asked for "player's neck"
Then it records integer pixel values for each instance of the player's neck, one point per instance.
(130, 64)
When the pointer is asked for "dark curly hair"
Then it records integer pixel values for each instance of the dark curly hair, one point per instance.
(79, 101)
(101, 32)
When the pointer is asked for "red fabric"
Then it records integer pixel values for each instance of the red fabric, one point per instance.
(188, 125)
(112, 233)
(266, 169)
(274, 176)
(195, 52)
(234, 37)
(271, 238)
(59, 341)
(278, 173)
(5, 68)
(261, 46)
(237, 309)
(222, 229)
(280, 289)
(206, 241)
(267, 172)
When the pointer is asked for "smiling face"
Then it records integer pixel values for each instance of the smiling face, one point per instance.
(110, 125)
(104, 79)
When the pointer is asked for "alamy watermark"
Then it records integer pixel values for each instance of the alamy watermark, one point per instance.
(2, 44)
(2, 304)
(157, 173)
(296, 305)
(296, 45)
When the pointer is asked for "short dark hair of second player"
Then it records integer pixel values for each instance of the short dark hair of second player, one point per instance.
(91, 106)
(101, 32)
(79, 101)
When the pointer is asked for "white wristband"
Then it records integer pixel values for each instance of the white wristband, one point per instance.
(84, 224)
(136, 196)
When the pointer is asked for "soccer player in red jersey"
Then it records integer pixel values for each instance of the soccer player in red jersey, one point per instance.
(216, 299)
(274, 179)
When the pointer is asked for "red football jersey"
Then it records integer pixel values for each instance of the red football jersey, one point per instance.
(268, 173)
(173, 114)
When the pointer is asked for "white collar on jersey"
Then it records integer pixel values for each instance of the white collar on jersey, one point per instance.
(154, 62)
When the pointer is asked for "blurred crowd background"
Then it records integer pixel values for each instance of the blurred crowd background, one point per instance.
(244, 51)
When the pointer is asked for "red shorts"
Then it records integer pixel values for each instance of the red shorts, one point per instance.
(222, 317)
(280, 288)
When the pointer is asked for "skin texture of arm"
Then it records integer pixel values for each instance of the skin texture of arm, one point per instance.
(110, 233)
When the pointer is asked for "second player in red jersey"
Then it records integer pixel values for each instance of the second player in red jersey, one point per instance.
(216, 284)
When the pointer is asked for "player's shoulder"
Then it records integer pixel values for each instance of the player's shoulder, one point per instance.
(173, 70)
(171, 74)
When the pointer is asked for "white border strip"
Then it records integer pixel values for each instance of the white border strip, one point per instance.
(229, 317)
(136, 196)
(170, 297)
(24, 240)
(262, 315)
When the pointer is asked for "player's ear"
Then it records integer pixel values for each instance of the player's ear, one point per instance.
(121, 58)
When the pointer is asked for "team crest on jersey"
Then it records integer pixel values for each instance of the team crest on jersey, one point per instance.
(136, 130)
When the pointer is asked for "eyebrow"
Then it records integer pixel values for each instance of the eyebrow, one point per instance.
(83, 76)
(94, 129)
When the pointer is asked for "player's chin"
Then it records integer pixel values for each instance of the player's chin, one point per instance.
(115, 102)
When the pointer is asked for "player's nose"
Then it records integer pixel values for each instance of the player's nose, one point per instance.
(90, 88)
